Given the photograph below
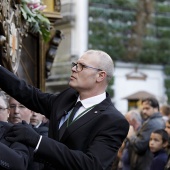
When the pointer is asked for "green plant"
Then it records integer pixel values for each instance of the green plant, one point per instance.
(118, 28)
(110, 89)
(32, 13)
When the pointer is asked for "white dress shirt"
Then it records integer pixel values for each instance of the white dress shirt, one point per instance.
(86, 103)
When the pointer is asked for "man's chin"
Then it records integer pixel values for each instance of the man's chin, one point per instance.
(71, 84)
(16, 120)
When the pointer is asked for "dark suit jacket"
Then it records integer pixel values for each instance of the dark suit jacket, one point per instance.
(42, 130)
(90, 143)
(13, 156)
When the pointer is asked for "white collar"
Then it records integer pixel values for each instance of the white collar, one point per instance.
(92, 100)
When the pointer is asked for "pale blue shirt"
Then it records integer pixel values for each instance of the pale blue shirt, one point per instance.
(86, 103)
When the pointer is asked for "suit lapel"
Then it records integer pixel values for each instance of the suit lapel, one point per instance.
(96, 111)
(65, 110)
(67, 106)
(59, 116)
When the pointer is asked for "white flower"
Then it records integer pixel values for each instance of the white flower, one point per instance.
(36, 7)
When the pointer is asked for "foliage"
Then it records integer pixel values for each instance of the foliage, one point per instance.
(109, 88)
(113, 26)
(111, 29)
(167, 70)
(160, 7)
(32, 13)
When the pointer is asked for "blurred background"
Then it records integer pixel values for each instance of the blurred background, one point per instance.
(135, 33)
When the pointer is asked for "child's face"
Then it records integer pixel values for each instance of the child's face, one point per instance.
(156, 142)
(167, 128)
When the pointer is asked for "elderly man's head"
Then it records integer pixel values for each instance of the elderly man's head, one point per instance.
(91, 73)
(4, 111)
(134, 119)
(18, 112)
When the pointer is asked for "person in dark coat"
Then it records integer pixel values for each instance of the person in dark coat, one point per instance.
(140, 155)
(19, 113)
(13, 156)
(36, 121)
(88, 140)
(157, 144)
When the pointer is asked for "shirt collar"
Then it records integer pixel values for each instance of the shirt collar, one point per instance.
(92, 100)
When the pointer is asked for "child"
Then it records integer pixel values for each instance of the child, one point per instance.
(158, 142)
(167, 128)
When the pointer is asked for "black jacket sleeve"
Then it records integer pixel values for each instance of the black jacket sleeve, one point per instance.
(15, 157)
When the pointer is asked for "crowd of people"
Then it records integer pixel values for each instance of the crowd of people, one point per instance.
(84, 130)
(17, 156)
(146, 146)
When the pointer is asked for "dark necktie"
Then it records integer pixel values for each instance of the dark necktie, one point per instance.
(75, 109)
(70, 119)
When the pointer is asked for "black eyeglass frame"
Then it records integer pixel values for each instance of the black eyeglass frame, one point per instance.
(83, 66)
(2, 109)
(17, 106)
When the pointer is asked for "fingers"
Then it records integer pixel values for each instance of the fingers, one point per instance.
(11, 134)
(14, 131)
(11, 139)
(16, 127)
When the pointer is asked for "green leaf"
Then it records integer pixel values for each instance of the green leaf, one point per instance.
(24, 14)
(38, 22)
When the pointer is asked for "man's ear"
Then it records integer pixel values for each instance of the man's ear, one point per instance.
(165, 144)
(101, 76)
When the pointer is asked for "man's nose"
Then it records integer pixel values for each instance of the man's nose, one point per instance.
(143, 111)
(73, 69)
(17, 110)
(34, 114)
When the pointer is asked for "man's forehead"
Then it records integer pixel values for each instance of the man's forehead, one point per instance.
(87, 59)
(147, 103)
(12, 100)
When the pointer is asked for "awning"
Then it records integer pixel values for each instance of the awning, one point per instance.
(139, 95)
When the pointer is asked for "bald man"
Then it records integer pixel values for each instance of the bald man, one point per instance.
(85, 139)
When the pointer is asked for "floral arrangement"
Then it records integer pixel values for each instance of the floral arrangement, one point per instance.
(32, 13)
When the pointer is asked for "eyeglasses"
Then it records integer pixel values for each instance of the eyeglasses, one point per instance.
(21, 107)
(79, 67)
(2, 109)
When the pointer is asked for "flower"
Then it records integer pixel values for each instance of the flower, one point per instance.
(32, 13)
(36, 5)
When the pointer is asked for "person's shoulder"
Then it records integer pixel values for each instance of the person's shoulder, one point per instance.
(42, 130)
(162, 156)
(111, 109)
(5, 124)
(111, 113)
(44, 124)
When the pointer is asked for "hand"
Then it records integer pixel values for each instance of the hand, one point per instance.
(131, 132)
(24, 133)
